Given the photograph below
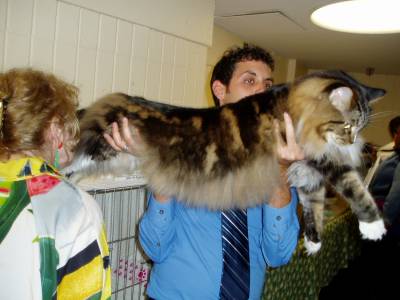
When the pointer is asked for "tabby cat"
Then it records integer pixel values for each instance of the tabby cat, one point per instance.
(225, 157)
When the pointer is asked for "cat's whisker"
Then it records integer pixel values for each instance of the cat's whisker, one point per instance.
(374, 125)
(382, 114)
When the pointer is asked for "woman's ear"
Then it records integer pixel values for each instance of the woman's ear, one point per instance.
(219, 90)
(54, 133)
(60, 151)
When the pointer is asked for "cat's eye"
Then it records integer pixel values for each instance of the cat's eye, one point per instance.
(347, 126)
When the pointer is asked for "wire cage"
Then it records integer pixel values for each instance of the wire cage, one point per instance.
(122, 204)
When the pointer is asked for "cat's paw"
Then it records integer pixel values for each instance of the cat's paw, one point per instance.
(373, 230)
(311, 247)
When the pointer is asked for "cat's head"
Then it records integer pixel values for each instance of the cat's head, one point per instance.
(352, 99)
(332, 107)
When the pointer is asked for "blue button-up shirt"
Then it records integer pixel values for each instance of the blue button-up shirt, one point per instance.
(185, 245)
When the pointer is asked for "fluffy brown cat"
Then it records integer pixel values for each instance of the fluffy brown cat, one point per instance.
(225, 157)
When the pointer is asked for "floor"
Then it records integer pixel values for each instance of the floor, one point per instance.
(373, 275)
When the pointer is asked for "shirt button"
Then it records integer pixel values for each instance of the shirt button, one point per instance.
(161, 211)
(158, 244)
(278, 218)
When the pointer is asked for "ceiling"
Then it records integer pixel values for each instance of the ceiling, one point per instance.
(284, 27)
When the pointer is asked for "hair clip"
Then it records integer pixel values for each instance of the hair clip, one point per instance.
(1, 118)
(3, 104)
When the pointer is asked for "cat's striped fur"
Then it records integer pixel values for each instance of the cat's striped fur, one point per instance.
(225, 156)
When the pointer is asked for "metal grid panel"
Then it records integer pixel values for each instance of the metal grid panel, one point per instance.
(122, 209)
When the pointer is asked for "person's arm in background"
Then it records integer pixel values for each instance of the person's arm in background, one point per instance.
(280, 221)
(391, 207)
(157, 226)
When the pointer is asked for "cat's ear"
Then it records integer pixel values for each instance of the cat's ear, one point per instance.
(374, 94)
(341, 98)
(219, 89)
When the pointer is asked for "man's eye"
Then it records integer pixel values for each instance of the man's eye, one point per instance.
(268, 85)
(249, 81)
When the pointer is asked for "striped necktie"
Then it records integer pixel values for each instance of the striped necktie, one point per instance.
(235, 281)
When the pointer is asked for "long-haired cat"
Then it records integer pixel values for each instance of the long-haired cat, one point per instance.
(225, 157)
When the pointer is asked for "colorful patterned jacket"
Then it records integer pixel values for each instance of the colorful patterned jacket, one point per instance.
(52, 239)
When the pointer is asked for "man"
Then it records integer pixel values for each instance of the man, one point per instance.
(187, 244)
(385, 185)
(387, 150)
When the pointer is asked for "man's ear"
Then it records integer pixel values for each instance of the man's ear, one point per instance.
(219, 90)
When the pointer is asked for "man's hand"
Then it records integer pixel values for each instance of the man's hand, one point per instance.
(290, 151)
(129, 142)
(287, 153)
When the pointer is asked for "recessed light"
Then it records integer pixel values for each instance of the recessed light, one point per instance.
(360, 16)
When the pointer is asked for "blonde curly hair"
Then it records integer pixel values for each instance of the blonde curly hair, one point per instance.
(30, 100)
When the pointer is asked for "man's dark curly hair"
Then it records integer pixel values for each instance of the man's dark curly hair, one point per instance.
(224, 68)
(394, 126)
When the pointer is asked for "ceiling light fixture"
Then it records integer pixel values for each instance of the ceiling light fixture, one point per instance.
(360, 16)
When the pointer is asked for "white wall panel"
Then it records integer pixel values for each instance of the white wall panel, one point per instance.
(178, 86)
(139, 61)
(141, 42)
(123, 56)
(105, 57)
(101, 53)
(66, 41)
(86, 75)
(86, 59)
(191, 76)
(16, 52)
(44, 19)
(18, 32)
(167, 68)
(3, 23)
(3, 14)
(190, 19)
(43, 34)
(89, 30)
(152, 83)
(20, 17)
(42, 54)
(180, 68)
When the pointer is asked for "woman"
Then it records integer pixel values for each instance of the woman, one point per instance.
(52, 242)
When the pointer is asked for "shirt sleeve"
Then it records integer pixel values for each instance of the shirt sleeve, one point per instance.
(391, 207)
(157, 229)
(280, 232)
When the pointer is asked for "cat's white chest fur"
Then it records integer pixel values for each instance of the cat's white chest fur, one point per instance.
(349, 153)
(123, 164)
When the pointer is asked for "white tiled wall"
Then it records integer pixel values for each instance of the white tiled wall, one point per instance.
(100, 53)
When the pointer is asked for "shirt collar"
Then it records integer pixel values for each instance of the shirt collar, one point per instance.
(25, 168)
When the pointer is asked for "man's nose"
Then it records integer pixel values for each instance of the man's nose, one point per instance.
(260, 88)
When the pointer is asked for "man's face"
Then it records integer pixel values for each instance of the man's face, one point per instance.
(248, 78)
